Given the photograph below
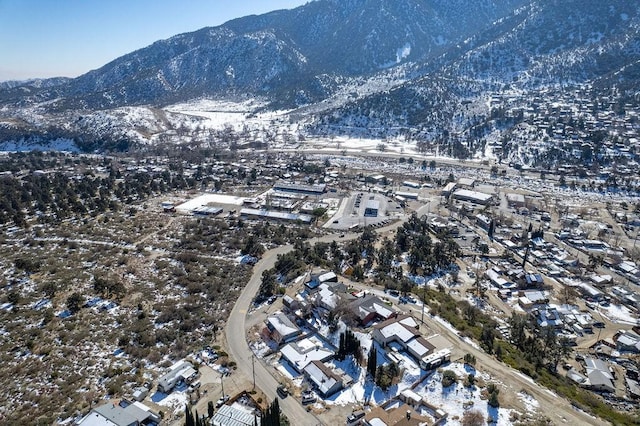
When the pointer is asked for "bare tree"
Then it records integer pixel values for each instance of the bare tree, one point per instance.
(473, 418)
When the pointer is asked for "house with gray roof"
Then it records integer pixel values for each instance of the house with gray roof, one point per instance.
(599, 375)
(228, 415)
(325, 380)
(123, 414)
(281, 328)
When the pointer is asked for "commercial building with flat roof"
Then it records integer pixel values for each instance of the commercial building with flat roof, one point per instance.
(371, 209)
(273, 215)
(284, 186)
(473, 196)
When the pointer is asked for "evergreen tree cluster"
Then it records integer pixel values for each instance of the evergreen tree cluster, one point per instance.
(192, 419)
(425, 256)
(372, 361)
(54, 196)
(271, 416)
(349, 345)
(539, 345)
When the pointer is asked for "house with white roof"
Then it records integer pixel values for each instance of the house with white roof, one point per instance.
(403, 331)
(324, 379)
(281, 328)
(326, 298)
(181, 371)
(400, 329)
(299, 354)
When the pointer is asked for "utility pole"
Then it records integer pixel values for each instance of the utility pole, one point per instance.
(424, 292)
(222, 383)
(253, 369)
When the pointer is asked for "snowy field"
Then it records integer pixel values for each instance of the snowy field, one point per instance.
(620, 314)
(456, 399)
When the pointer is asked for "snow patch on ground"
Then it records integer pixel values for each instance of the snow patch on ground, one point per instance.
(618, 313)
(175, 401)
(530, 403)
(456, 399)
(403, 52)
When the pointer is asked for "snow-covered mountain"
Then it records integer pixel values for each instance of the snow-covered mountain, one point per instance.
(278, 54)
(342, 66)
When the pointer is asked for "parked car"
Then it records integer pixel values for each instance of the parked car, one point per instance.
(309, 397)
(355, 416)
(194, 386)
(282, 391)
(223, 400)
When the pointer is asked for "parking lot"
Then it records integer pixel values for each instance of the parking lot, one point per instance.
(351, 213)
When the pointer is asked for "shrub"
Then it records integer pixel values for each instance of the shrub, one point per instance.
(448, 378)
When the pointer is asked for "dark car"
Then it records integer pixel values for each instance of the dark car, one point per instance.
(355, 416)
(282, 391)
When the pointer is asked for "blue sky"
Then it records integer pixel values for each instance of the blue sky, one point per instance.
(47, 38)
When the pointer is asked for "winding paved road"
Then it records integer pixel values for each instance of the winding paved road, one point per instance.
(239, 348)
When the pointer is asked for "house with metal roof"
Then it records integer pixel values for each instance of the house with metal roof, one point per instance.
(599, 375)
(228, 415)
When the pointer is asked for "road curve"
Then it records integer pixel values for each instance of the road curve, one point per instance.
(241, 353)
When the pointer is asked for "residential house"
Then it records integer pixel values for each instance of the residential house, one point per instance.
(281, 328)
(628, 342)
(370, 308)
(229, 415)
(299, 354)
(327, 295)
(123, 414)
(181, 371)
(399, 329)
(325, 380)
(402, 330)
(599, 375)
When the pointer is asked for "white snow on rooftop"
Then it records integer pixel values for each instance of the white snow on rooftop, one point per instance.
(207, 199)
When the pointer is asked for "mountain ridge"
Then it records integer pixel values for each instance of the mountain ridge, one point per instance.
(365, 67)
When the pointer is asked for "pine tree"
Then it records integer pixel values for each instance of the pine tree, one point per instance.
(188, 420)
(271, 416)
(372, 361)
